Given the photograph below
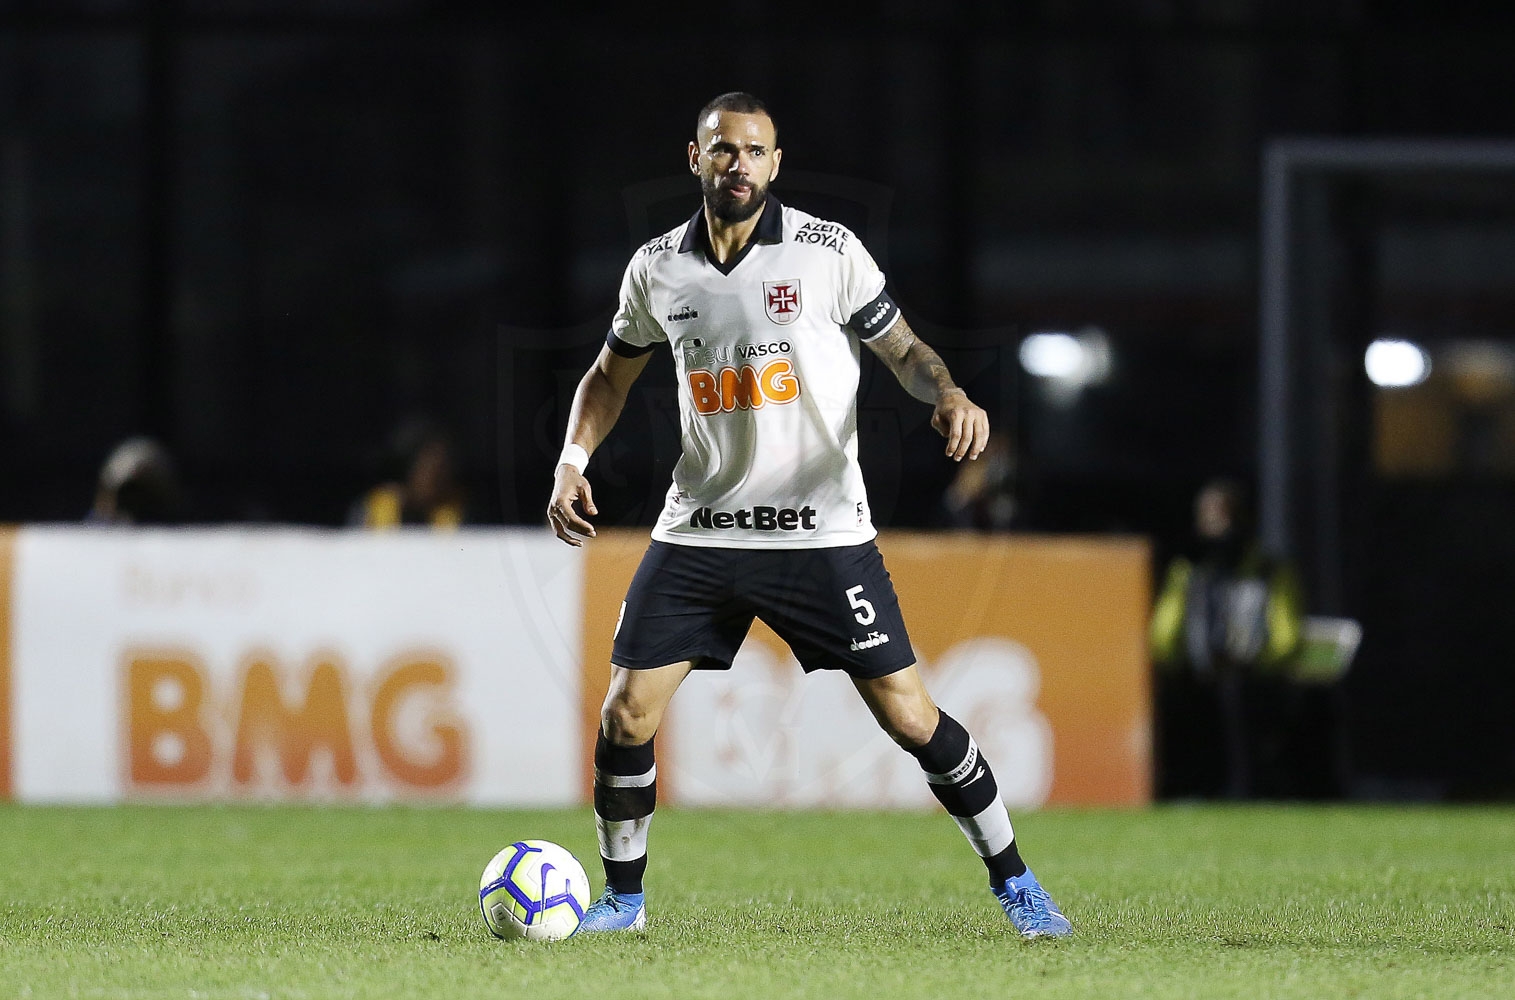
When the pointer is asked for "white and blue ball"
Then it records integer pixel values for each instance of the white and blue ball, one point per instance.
(533, 889)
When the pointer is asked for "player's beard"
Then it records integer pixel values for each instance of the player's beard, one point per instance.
(728, 207)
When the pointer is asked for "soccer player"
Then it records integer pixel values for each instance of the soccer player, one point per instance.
(764, 307)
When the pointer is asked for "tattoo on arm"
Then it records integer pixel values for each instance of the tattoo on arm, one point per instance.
(920, 370)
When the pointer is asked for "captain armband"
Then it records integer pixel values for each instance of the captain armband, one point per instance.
(876, 318)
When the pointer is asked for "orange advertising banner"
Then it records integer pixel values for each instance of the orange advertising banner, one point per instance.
(7, 574)
(1036, 643)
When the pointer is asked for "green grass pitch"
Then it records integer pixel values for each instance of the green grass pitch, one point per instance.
(1265, 901)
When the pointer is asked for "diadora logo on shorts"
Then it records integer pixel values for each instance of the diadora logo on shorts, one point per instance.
(745, 388)
(874, 639)
(683, 313)
(757, 519)
(781, 300)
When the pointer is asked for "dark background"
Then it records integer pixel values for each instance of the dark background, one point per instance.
(266, 232)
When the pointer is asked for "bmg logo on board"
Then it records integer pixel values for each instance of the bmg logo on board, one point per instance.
(280, 731)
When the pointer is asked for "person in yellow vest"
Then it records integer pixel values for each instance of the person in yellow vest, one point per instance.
(1225, 625)
(424, 490)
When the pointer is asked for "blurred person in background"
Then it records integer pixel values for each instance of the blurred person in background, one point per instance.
(138, 484)
(422, 486)
(1225, 625)
(982, 495)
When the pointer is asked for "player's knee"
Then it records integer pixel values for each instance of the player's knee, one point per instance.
(627, 724)
(911, 725)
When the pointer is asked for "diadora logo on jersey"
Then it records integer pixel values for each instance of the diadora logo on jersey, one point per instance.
(874, 639)
(668, 241)
(757, 519)
(781, 300)
(826, 234)
(683, 313)
(745, 388)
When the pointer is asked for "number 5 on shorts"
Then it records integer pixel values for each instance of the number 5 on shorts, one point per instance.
(866, 615)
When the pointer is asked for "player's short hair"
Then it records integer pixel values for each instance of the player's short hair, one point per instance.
(738, 102)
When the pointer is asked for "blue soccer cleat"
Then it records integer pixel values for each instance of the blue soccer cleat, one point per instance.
(1030, 909)
(615, 911)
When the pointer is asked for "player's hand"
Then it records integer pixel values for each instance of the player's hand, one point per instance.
(965, 426)
(569, 487)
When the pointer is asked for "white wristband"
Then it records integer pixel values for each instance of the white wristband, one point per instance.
(575, 456)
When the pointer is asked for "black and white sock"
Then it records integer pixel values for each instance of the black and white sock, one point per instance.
(961, 780)
(625, 794)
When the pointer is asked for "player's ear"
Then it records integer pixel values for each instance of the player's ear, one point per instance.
(778, 154)
(694, 158)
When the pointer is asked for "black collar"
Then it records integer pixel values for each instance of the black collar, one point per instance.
(770, 229)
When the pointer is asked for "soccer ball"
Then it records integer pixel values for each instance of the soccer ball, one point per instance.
(534, 890)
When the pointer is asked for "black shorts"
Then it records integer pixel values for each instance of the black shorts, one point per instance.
(835, 608)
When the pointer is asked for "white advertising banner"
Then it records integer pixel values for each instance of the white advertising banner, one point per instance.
(295, 665)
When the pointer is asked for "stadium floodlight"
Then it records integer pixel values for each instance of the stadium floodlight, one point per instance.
(1052, 355)
(1067, 362)
(1396, 364)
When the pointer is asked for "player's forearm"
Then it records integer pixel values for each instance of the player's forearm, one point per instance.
(919, 369)
(924, 374)
(597, 406)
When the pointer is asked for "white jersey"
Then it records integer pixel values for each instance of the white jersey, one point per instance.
(766, 350)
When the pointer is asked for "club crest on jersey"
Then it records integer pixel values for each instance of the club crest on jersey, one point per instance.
(781, 300)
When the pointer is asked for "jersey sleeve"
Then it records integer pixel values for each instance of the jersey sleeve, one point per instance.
(864, 302)
(634, 332)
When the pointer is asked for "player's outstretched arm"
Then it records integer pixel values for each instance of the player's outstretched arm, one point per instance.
(924, 375)
(596, 406)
